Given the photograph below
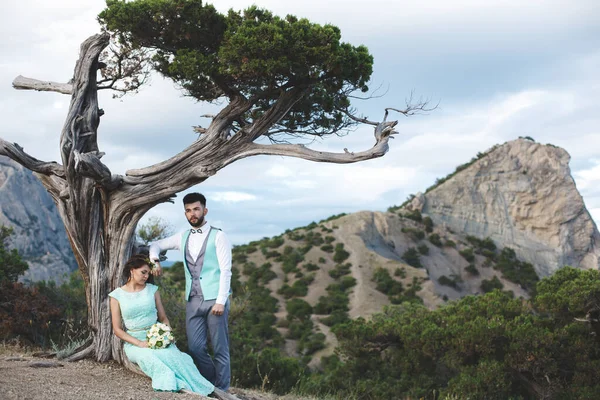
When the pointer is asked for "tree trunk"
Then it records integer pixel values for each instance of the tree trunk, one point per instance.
(100, 211)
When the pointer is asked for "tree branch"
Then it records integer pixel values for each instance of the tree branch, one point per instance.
(23, 83)
(383, 132)
(89, 165)
(16, 153)
(273, 115)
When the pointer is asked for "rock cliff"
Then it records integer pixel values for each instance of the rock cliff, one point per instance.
(39, 234)
(521, 195)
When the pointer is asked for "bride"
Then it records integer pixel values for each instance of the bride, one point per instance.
(137, 303)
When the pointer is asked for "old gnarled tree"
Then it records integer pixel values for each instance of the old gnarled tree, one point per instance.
(280, 77)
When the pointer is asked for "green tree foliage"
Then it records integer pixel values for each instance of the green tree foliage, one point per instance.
(11, 263)
(156, 228)
(253, 54)
(516, 271)
(480, 347)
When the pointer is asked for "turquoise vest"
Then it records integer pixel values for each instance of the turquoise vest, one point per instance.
(210, 274)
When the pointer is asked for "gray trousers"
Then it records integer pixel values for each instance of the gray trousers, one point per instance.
(199, 323)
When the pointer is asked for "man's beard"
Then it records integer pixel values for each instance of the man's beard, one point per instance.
(198, 223)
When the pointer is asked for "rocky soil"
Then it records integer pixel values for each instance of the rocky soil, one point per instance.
(29, 376)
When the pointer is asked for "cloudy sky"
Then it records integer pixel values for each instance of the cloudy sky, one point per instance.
(500, 69)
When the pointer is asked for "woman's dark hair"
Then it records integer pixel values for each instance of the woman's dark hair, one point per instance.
(135, 262)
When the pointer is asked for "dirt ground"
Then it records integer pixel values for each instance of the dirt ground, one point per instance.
(24, 375)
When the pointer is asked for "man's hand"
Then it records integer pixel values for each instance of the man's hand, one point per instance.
(218, 309)
(157, 270)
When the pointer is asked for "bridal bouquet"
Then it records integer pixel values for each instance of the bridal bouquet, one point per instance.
(159, 336)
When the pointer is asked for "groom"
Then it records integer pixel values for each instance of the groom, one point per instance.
(206, 254)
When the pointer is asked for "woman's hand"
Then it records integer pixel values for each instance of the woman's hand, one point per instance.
(143, 345)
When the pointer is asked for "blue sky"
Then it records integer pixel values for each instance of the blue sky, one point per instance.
(500, 69)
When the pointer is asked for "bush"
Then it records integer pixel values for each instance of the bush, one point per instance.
(290, 259)
(472, 270)
(516, 271)
(327, 248)
(467, 254)
(434, 238)
(414, 215)
(428, 222)
(11, 263)
(450, 243)
(411, 256)
(310, 267)
(423, 249)
(336, 299)
(487, 285)
(340, 254)
(298, 309)
(415, 234)
(452, 282)
(400, 272)
(385, 283)
(340, 270)
(275, 242)
(335, 318)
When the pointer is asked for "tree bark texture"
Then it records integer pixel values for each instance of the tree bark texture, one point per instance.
(100, 210)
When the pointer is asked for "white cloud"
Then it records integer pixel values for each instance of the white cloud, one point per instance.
(232, 197)
(588, 178)
(554, 101)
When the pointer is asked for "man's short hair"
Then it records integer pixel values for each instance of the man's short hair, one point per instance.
(194, 197)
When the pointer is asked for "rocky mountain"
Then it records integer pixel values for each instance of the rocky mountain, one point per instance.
(39, 234)
(507, 218)
(521, 195)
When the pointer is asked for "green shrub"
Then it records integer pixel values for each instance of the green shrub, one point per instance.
(415, 234)
(400, 272)
(340, 254)
(340, 270)
(487, 285)
(472, 270)
(275, 242)
(467, 254)
(311, 267)
(428, 222)
(516, 271)
(423, 249)
(449, 243)
(414, 215)
(298, 309)
(452, 281)
(434, 239)
(411, 256)
(385, 283)
(327, 248)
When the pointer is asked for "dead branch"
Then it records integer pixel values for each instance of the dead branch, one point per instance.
(16, 153)
(23, 83)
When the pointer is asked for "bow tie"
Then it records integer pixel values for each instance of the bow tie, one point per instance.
(196, 230)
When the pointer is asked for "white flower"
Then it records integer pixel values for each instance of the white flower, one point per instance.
(159, 336)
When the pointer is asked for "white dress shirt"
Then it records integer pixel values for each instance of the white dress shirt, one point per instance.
(195, 243)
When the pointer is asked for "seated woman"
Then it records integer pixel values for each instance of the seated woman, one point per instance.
(138, 303)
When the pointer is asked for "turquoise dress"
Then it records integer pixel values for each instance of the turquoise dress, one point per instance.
(170, 369)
